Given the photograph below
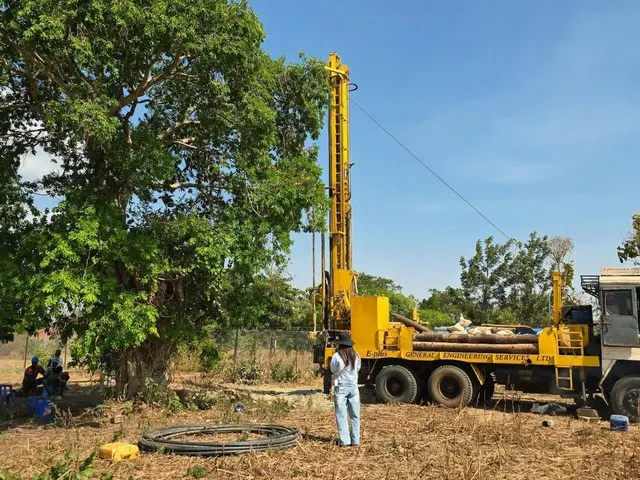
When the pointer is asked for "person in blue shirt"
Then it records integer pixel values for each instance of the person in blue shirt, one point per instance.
(345, 365)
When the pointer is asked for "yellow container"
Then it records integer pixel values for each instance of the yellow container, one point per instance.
(118, 451)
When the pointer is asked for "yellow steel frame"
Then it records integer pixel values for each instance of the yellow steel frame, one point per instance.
(342, 278)
(367, 318)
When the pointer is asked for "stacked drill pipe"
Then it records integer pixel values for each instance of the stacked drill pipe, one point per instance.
(479, 343)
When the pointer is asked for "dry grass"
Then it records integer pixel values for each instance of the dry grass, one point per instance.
(398, 442)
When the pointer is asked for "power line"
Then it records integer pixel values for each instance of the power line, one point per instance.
(442, 180)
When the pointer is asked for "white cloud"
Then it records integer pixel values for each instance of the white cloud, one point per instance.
(34, 167)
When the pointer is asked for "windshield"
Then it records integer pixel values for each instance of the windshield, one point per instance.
(618, 302)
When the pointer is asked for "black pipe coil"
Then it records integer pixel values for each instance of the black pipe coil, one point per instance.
(275, 437)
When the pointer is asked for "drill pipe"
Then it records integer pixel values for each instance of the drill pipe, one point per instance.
(479, 338)
(475, 347)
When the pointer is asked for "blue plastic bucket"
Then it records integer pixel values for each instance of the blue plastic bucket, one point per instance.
(619, 423)
(42, 409)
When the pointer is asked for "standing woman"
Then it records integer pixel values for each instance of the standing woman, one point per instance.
(345, 365)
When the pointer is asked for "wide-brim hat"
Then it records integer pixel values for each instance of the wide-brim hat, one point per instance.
(345, 340)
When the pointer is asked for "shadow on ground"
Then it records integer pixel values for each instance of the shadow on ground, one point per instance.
(78, 402)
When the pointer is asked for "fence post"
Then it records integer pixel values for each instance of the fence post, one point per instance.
(26, 351)
(235, 348)
(255, 346)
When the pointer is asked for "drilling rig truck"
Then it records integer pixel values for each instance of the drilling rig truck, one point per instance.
(406, 362)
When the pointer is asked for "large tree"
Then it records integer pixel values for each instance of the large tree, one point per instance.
(184, 160)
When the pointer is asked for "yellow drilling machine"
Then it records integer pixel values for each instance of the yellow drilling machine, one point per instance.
(409, 363)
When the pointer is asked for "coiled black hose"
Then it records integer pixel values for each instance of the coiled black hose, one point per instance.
(275, 437)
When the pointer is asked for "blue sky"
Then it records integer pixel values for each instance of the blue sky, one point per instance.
(529, 109)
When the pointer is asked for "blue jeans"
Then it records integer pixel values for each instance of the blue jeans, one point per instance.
(347, 397)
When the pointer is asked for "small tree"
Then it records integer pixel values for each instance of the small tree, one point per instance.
(630, 248)
(529, 282)
(484, 279)
(561, 249)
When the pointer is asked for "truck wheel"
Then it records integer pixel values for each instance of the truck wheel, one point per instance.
(396, 384)
(625, 397)
(450, 386)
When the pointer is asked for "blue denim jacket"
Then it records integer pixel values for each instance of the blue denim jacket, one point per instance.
(346, 377)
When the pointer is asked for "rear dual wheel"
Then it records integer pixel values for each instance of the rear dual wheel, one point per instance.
(451, 387)
(397, 384)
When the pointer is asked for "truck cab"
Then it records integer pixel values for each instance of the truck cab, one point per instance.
(618, 292)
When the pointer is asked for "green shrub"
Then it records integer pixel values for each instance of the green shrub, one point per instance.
(197, 471)
(155, 394)
(283, 372)
(245, 372)
(210, 358)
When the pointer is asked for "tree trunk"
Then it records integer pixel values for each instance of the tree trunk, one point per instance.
(149, 361)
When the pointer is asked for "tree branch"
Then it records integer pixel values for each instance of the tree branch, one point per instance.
(176, 126)
(147, 83)
(185, 144)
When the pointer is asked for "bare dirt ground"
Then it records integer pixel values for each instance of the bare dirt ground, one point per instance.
(398, 441)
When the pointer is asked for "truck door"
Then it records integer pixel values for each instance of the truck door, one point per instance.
(619, 318)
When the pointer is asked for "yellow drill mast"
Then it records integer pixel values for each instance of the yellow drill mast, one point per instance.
(342, 278)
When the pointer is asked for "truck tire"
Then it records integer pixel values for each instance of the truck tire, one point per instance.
(625, 397)
(396, 384)
(450, 386)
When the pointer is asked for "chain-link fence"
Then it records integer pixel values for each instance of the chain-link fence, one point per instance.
(278, 355)
(282, 355)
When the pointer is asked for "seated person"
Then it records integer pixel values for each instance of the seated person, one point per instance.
(31, 381)
(55, 381)
(56, 360)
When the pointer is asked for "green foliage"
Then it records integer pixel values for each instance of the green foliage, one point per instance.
(283, 372)
(209, 357)
(43, 349)
(435, 318)
(484, 279)
(509, 283)
(379, 286)
(200, 401)
(269, 300)
(449, 301)
(245, 372)
(70, 467)
(186, 160)
(529, 283)
(197, 471)
(154, 394)
(630, 248)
